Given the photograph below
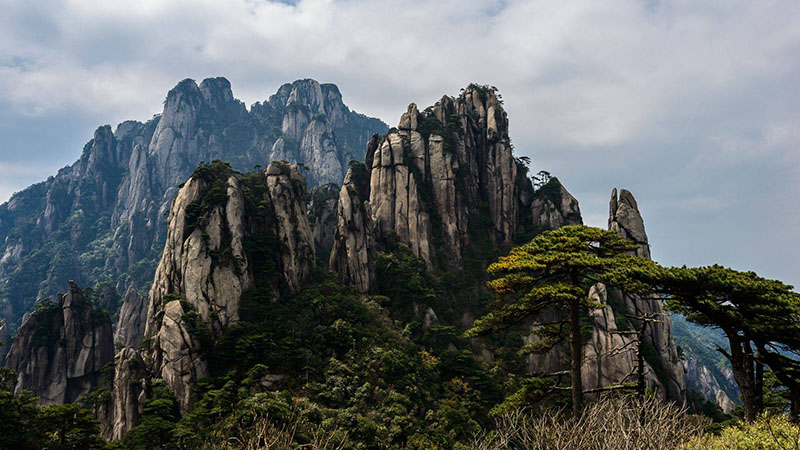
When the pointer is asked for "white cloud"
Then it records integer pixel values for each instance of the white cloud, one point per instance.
(691, 105)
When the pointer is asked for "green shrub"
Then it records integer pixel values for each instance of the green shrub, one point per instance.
(773, 432)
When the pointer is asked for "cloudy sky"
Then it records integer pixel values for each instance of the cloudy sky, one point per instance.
(692, 105)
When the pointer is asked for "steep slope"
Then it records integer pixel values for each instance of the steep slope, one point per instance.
(707, 371)
(129, 330)
(59, 352)
(222, 226)
(625, 219)
(104, 217)
(442, 177)
(322, 209)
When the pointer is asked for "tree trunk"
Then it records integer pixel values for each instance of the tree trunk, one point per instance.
(744, 374)
(576, 348)
(794, 412)
(759, 385)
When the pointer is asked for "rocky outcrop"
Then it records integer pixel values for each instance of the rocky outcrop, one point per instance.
(322, 217)
(353, 253)
(107, 213)
(553, 207)
(60, 351)
(206, 265)
(132, 319)
(625, 219)
(610, 353)
(127, 393)
(702, 379)
(443, 177)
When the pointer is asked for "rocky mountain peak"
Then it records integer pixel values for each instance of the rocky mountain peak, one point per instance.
(222, 228)
(625, 219)
(445, 176)
(105, 216)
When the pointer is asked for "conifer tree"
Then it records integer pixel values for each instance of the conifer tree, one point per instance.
(554, 271)
(753, 312)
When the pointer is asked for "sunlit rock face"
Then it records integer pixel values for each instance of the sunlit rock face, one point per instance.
(433, 183)
(106, 215)
(206, 266)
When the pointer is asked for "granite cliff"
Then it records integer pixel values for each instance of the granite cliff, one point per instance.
(105, 217)
(436, 181)
(60, 351)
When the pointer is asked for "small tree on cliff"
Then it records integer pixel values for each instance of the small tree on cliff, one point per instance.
(752, 311)
(554, 271)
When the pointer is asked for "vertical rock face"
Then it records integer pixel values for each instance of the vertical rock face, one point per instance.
(552, 207)
(322, 209)
(443, 176)
(206, 266)
(60, 350)
(625, 219)
(132, 319)
(610, 357)
(701, 379)
(353, 253)
(127, 394)
(106, 215)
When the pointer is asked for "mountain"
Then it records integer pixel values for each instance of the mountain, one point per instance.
(347, 306)
(708, 372)
(105, 216)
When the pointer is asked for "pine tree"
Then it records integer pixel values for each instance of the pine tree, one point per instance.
(754, 313)
(554, 271)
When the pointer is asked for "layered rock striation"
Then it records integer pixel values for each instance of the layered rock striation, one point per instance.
(59, 353)
(444, 177)
(221, 226)
(106, 215)
(625, 219)
(129, 330)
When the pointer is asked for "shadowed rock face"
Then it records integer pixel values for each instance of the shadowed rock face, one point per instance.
(322, 217)
(127, 394)
(108, 211)
(554, 207)
(625, 219)
(60, 350)
(205, 267)
(5, 342)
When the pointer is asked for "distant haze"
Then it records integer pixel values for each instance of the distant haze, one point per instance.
(693, 106)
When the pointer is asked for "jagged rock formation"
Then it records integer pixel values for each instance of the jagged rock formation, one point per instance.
(127, 393)
(707, 371)
(625, 219)
(322, 209)
(353, 254)
(129, 331)
(105, 216)
(553, 207)
(701, 379)
(60, 350)
(206, 265)
(442, 177)
(609, 358)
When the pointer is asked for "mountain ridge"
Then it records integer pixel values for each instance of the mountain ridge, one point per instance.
(103, 217)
